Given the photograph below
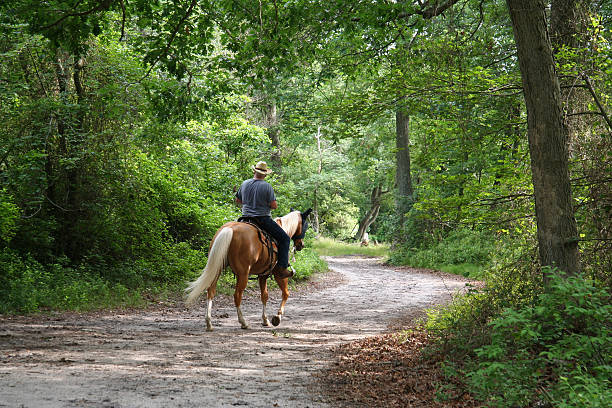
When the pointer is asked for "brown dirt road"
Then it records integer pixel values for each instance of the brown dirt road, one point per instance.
(163, 357)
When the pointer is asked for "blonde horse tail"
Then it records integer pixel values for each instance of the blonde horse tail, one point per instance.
(217, 261)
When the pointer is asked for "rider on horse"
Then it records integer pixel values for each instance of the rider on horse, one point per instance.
(257, 198)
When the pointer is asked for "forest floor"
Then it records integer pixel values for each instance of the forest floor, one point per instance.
(334, 347)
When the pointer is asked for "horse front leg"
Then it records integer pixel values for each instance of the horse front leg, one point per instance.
(283, 284)
(263, 287)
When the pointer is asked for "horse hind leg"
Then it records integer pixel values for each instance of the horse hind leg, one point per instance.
(209, 298)
(263, 286)
(241, 283)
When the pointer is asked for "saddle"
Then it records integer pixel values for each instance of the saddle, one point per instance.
(268, 242)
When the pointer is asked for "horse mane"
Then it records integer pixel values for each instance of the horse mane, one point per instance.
(290, 222)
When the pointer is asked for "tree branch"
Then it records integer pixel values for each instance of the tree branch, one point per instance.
(104, 5)
(584, 113)
(587, 80)
(433, 8)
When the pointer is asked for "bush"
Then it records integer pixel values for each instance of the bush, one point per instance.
(554, 351)
(8, 217)
(307, 263)
(28, 286)
(468, 249)
(18, 277)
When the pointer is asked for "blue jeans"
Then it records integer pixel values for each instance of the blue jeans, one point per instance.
(281, 237)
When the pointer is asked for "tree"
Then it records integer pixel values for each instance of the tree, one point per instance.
(403, 176)
(547, 135)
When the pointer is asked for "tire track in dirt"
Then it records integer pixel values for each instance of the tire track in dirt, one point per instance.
(163, 357)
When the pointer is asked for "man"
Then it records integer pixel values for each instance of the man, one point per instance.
(257, 198)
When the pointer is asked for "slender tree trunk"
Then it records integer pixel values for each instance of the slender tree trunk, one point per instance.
(372, 213)
(274, 135)
(568, 22)
(62, 84)
(59, 198)
(315, 211)
(547, 134)
(402, 172)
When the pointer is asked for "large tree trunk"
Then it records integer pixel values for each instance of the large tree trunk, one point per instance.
(402, 172)
(547, 134)
(569, 20)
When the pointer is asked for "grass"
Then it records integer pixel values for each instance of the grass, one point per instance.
(331, 247)
(464, 269)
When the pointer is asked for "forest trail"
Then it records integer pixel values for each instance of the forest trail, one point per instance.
(163, 357)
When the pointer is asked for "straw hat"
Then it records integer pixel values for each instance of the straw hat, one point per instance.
(262, 168)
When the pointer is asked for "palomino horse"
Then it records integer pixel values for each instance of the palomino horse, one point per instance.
(237, 244)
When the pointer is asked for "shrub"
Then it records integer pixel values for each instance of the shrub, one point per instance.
(28, 286)
(463, 247)
(8, 217)
(555, 350)
(307, 263)
(18, 277)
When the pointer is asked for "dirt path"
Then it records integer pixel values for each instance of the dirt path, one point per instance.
(164, 358)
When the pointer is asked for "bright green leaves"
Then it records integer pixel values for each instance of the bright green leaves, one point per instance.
(558, 344)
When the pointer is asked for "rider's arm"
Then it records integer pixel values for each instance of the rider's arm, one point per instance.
(238, 197)
(273, 205)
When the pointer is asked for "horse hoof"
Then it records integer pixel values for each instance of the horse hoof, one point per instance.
(266, 323)
(209, 329)
(245, 327)
(276, 320)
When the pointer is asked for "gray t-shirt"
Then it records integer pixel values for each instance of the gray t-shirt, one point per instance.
(256, 196)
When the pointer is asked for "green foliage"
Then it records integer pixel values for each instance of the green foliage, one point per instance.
(555, 350)
(511, 281)
(105, 191)
(27, 286)
(8, 217)
(307, 263)
(462, 250)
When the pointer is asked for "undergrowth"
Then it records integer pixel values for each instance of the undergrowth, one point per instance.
(27, 286)
(462, 252)
(518, 344)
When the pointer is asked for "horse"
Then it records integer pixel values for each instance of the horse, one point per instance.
(237, 245)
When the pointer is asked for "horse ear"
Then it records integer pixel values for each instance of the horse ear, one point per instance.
(291, 209)
(306, 213)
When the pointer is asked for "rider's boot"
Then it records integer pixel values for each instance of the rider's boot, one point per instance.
(281, 272)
